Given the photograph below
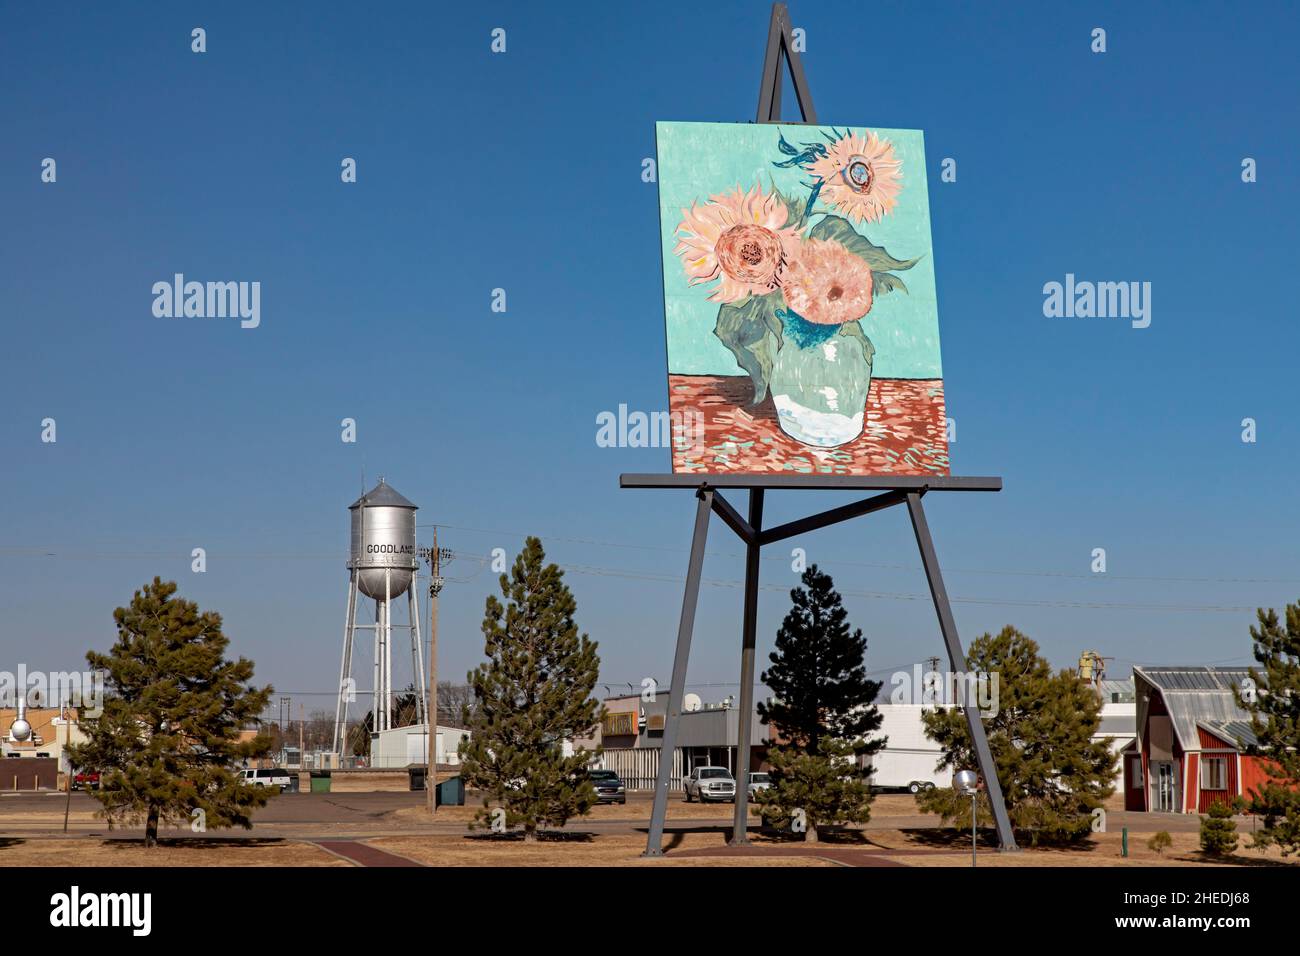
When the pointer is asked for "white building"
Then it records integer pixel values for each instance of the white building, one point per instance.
(1118, 717)
(403, 746)
(909, 757)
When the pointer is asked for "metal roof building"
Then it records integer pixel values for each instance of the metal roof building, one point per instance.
(1190, 736)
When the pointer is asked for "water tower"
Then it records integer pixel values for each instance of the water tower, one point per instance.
(382, 562)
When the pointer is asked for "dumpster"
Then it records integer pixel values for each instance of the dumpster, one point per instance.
(417, 777)
(451, 793)
(320, 781)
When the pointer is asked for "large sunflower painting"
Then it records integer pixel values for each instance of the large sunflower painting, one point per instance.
(803, 331)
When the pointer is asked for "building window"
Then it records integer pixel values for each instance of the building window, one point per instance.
(1135, 772)
(1214, 773)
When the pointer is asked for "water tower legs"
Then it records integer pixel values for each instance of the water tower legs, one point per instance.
(417, 655)
(346, 687)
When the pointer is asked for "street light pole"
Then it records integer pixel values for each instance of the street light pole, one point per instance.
(431, 710)
(67, 780)
(967, 781)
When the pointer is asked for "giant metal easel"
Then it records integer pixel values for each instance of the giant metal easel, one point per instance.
(893, 491)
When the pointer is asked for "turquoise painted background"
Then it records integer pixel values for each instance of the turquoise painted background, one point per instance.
(698, 160)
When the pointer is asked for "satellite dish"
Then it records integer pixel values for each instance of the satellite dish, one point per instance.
(691, 703)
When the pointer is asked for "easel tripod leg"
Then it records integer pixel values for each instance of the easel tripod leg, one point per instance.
(677, 688)
(957, 659)
(745, 718)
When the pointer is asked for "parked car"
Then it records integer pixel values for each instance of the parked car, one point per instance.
(609, 788)
(268, 777)
(85, 780)
(709, 783)
(758, 781)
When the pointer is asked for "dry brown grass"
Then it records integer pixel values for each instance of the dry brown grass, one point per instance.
(1101, 849)
(605, 850)
(43, 851)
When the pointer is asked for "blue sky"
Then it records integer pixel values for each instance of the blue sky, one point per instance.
(522, 171)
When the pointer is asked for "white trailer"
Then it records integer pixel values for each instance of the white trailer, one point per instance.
(908, 760)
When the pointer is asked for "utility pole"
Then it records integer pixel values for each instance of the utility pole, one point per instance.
(434, 558)
(67, 780)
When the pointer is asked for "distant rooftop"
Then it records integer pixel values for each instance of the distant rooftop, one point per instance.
(1196, 696)
(1196, 678)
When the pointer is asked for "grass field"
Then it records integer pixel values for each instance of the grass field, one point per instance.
(179, 853)
(897, 832)
(613, 849)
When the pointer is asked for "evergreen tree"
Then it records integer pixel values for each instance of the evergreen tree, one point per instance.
(822, 714)
(1275, 720)
(167, 741)
(1053, 774)
(533, 692)
(1219, 830)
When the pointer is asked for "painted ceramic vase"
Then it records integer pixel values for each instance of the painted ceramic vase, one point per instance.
(819, 383)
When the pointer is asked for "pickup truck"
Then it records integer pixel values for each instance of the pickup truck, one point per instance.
(268, 777)
(609, 787)
(709, 783)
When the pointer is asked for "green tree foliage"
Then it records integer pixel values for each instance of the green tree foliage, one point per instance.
(167, 742)
(1053, 774)
(1218, 829)
(812, 790)
(822, 714)
(532, 693)
(1275, 720)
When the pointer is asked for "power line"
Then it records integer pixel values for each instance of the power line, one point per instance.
(897, 567)
(598, 570)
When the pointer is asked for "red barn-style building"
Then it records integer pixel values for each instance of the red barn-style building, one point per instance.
(1190, 735)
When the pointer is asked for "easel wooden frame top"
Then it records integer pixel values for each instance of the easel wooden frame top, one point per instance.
(892, 490)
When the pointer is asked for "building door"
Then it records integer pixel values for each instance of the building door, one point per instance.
(1162, 780)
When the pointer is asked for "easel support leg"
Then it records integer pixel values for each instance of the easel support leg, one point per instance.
(957, 658)
(676, 690)
(745, 719)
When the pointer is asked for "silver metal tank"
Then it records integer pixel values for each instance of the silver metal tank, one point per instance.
(383, 540)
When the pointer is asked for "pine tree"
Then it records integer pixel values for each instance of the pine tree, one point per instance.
(1275, 721)
(822, 713)
(167, 741)
(1053, 774)
(1219, 830)
(533, 693)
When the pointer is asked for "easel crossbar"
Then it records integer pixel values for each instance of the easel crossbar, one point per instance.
(833, 516)
(733, 519)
